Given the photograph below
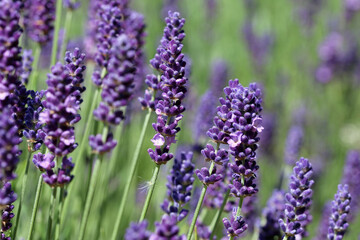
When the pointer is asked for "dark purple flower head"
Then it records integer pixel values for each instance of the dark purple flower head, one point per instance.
(298, 200)
(167, 229)
(137, 231)
(26, 67)
(7, 198)
(236, 225)
(206, 177)
(180, 184)
(9, 145)
(220, 157)
(340, 210)
(100, 147)
(351, 176)
(63, 175)
(273, 211)
(33, 128)
(39, 20)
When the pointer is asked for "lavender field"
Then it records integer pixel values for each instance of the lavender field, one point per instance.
(179, 119)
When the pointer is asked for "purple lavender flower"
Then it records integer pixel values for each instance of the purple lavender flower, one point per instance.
(351, 8)
(203, 232)
(273, 211)
(39, 20)
(62, 103)
(33, 128)
(236, 225)
(7, 198)
(10, 58)
(26, 68)
(99, 147)
(293, 144)
(169, 61)
(180, 183)
(44, 162)
(340, 209)
(298, 201)
(137, 231)
(351, 177)
(9, 149)
(167, 229)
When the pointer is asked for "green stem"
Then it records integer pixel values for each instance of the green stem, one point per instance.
(23, 187)
(238, 212)
(198, 207)
(150, 193)
(134, 164)
(51, 213)
(32, 84)
(58, 222)
(67, 25)
(218, 215)
(90, 194)
(56, 32)
(35, 207)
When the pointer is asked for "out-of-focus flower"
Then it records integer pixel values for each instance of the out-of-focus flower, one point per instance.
(167, 228)
(137, 231)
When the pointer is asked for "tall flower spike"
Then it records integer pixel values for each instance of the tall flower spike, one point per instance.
(62, 103)
(39, 20)
(298, 201)
(340, 210)
(167, 229)
(10, 59)
(169, 61)
(180, 183)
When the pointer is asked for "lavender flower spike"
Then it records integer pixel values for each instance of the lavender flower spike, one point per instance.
(298, 201)
(169, 61)
(340, 210)
(167, 229)
(236, 225)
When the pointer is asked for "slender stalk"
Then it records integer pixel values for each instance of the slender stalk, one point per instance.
(218, 215)
(150, 193)
(238, 212)
(68, 18)
(35, 207)
(51, 213)
(33, 77)
(54, 49)
(198, 206)
(90, 195)
(58, 222)
(23, 187)
(134, 164)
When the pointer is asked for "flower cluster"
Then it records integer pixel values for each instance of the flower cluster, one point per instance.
(39, 20)
(7, 198)
(180, 184)
(62, 103)
(236, 225)
(169, 61)
(298, 200)
(10, 58)
(340, 210)
(167, 229)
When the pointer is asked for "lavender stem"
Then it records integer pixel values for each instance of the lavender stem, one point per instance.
(51, 213)
(201, 199)
(35, 207)
(56, 32)
(92, 186)
(134, 165)
(58, 220)
(218, 214)
(150, 193)
(23, 187)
